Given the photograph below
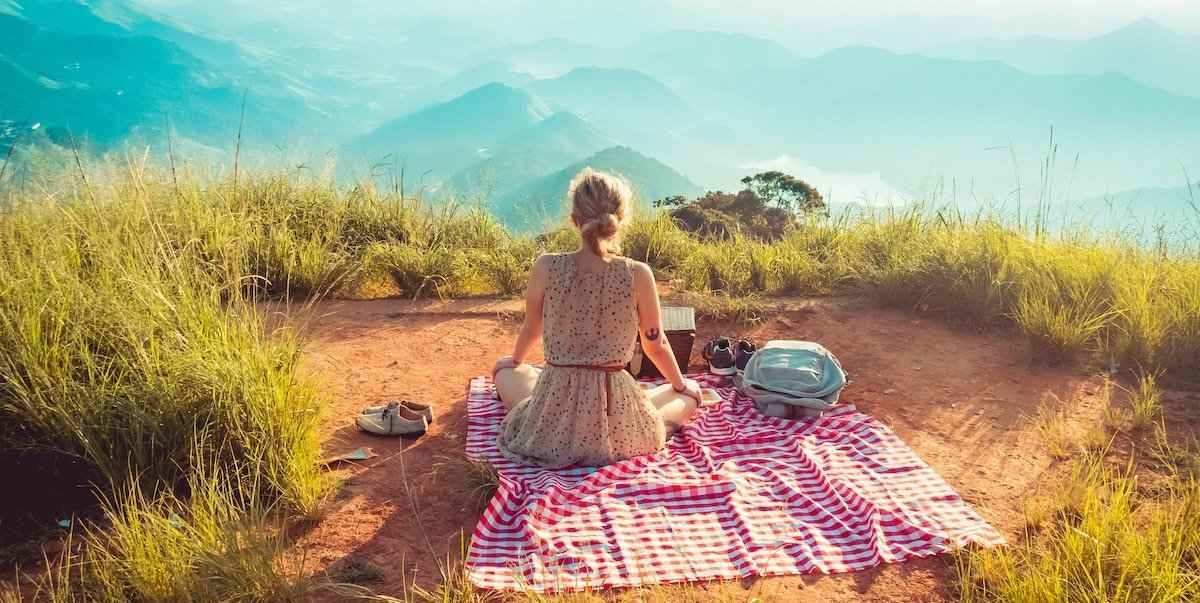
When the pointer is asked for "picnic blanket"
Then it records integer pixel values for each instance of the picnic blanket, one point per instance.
(734, 494)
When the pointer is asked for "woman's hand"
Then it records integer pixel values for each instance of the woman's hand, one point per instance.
(690, 389)
(506, 362)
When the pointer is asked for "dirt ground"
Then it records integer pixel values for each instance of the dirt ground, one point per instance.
(961, 399)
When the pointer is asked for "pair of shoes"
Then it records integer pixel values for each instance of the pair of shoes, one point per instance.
(394, 419)
(425, 410)
(726, 357)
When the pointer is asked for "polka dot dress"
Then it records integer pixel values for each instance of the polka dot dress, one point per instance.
(590, 318)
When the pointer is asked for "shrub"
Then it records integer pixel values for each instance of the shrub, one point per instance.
(718, 266)
(658, 242)
(719, 215)
(422, 272)
(1060, 330)
(506, 268)
(121, 351)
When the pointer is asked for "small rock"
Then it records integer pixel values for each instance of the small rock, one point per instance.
(889, 391)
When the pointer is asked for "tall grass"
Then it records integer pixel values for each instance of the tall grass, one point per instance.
(1101, 541)
(1099, 536)
(134, 353)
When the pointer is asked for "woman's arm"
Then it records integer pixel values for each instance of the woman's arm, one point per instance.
(531, 329)
(654, 341)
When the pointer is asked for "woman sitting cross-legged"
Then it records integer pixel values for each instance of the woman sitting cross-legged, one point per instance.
(589, 307)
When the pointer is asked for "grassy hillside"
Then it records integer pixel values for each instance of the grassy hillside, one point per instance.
(130, 339)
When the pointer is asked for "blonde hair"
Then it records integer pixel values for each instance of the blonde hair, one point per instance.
(599, 207)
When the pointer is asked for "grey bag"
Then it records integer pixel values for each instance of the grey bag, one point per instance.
(792, 378)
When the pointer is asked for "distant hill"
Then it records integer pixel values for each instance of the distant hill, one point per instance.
(1138, 211)
(628, 103)
(447, 137)
(1145, 51)
(910, 116)
(684, 58)
(105, 71)
(547, 57)
(448, 88)
(561, 139)
(543, 200)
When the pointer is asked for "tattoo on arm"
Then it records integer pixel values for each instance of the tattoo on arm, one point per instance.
(652, 335)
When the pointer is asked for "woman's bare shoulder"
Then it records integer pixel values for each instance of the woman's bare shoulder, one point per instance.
(640, 270)
(545, 261)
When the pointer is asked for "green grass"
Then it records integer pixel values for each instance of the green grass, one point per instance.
(1145, 402)
(1100, 536)
(1100, 541)
(745, 310)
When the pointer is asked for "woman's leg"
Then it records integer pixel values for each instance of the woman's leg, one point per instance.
(514, 385)
(675, 408)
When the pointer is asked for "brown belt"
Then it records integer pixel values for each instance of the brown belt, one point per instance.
(607, 382)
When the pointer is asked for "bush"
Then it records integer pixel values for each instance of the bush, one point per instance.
(417, 272)
(122, 351)
(506, 268)
(719, 215)
(658, 242)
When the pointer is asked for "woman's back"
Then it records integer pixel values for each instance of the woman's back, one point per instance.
(590, 314)
(585, 409)
(588, 307)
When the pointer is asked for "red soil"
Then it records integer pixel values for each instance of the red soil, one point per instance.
(961, 399)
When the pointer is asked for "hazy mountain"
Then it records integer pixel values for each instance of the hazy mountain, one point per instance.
(626, 102)
(1145, 51)
(910, 116)
(709, 103)
(709, 68)
(1137, 211)
(444, 89)
(543, 200)
(547, 57)
(105, 71)
(559, 140)
(447, 137)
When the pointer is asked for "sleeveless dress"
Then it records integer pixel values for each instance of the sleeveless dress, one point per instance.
(579, 414)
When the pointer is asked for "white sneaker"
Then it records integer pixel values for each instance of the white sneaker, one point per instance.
(393, 420)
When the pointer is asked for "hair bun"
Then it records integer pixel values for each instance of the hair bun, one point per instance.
(607, 225)
(599, 206)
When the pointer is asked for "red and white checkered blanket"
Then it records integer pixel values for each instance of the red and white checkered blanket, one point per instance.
(735, 494)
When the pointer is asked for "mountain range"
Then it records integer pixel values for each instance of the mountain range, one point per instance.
(446, 137)
(543, 201)
(106, 71)
(675, 111)
(508, 148)
(1145, 51)
(561, 139)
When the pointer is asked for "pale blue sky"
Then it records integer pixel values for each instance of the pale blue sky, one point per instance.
(901, 24)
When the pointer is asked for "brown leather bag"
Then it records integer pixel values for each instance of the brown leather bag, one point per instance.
(679, 325)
